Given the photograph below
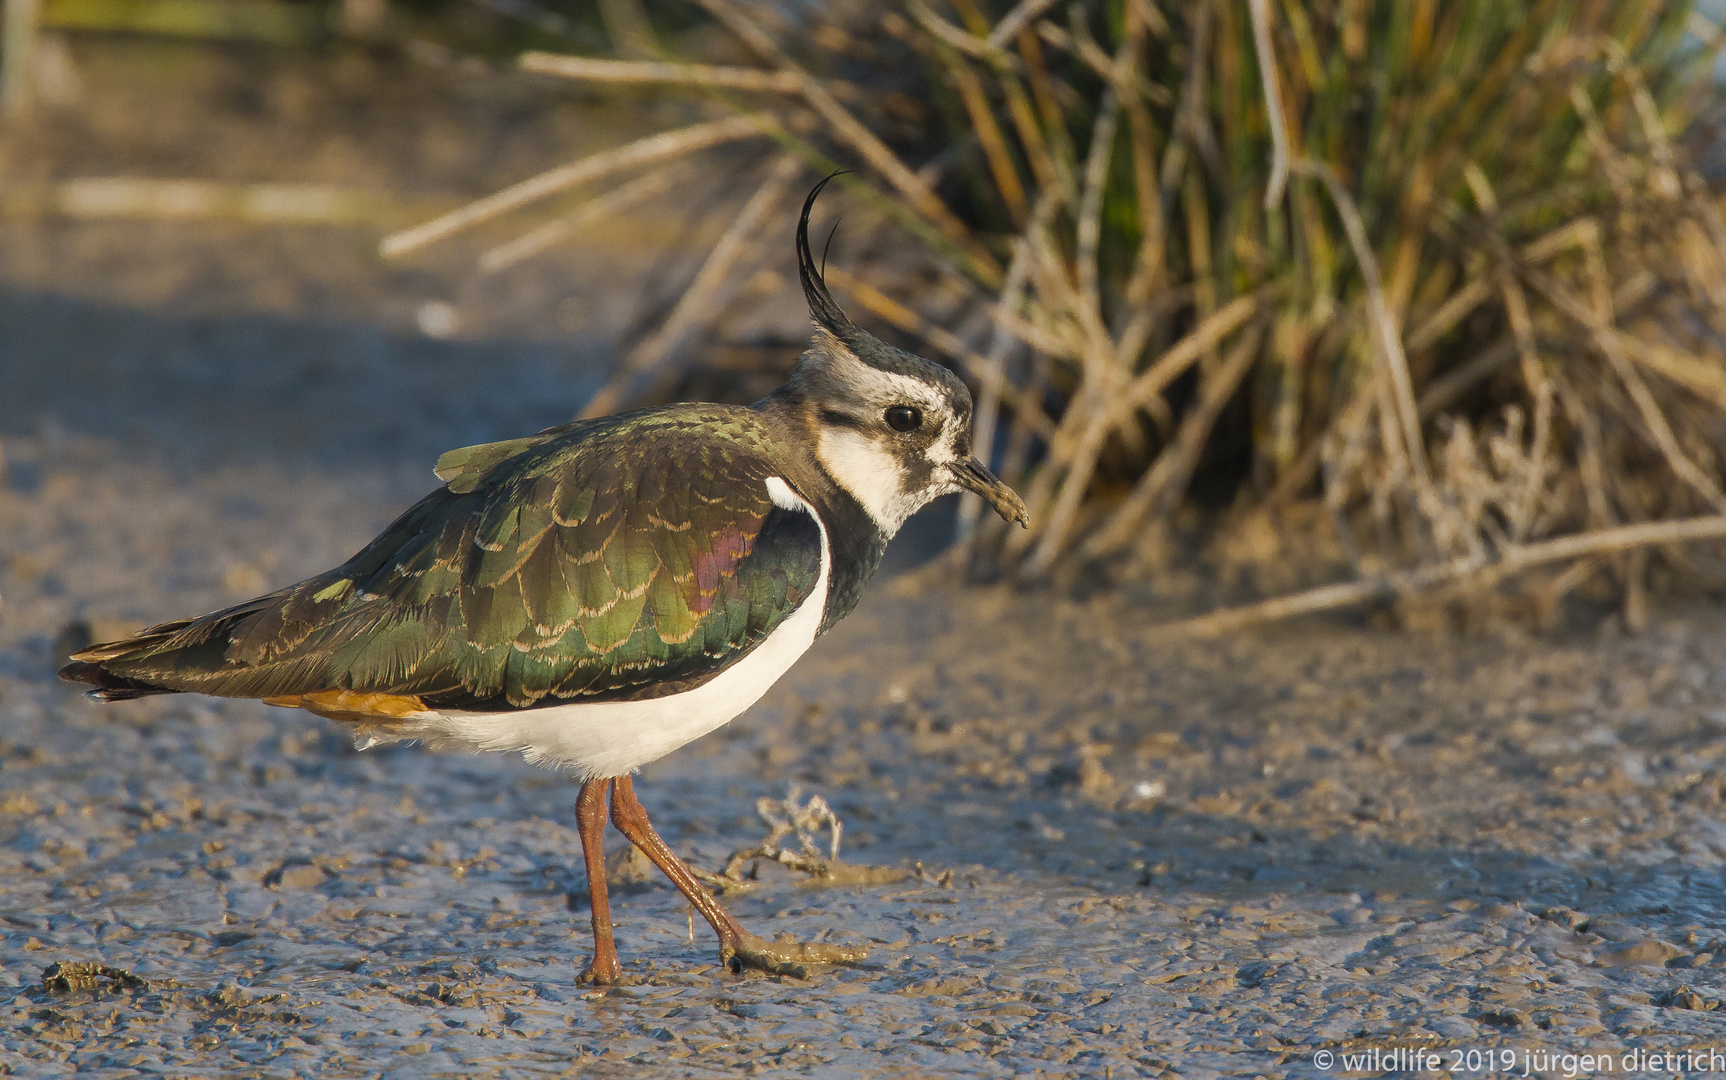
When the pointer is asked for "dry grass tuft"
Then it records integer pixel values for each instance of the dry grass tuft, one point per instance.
(1449, 267)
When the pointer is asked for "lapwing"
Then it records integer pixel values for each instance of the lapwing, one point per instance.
(599, 594)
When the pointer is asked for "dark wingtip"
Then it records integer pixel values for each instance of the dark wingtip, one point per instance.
(822, 306)
(82, 671)
(106, 686)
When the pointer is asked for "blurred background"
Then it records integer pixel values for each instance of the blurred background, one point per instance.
(1269, 307)
(1398, 295)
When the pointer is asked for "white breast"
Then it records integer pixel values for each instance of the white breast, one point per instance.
(612, 738)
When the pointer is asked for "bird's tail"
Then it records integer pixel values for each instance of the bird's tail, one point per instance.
(186, 655)
(106, 685)
(92, 665)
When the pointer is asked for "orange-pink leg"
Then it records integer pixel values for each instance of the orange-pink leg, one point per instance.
(737, 947)
(630, 817)
(590, 822)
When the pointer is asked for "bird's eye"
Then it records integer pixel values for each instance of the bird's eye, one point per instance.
(903, 418)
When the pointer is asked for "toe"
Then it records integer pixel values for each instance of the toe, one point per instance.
(794, 958)
(599, 976)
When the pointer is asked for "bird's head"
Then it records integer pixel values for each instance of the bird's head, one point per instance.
(891, 428)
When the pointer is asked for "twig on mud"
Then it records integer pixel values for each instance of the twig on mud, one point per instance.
(1513, 559)
(784, 817)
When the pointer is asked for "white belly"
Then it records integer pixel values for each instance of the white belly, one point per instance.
(611, 738)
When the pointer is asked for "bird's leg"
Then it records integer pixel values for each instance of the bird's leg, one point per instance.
(590, 822)
(630, 817)
(738, 948)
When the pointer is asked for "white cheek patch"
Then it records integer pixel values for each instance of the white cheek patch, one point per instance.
(870, 471)
(872, 476)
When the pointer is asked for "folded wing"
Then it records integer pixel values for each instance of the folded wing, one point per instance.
(621, 558)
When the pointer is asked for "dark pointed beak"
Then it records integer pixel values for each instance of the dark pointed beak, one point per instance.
(974, 476)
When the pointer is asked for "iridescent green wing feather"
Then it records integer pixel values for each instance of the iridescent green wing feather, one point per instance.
(627, 557)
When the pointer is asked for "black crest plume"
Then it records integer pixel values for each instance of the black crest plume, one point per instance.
(821, 303)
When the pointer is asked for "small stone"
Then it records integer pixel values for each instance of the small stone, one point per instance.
(438, 319)
(295, 876)
(65, 978)
(1648, 951)
(230, 994)
(628, 869)
(1568, 918)
(1685, 998)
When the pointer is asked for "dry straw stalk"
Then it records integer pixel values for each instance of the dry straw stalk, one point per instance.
(1447, 266)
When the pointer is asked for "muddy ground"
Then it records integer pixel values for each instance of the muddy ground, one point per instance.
(1202, 860)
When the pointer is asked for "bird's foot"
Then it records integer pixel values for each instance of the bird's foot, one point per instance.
(795, 958)
(600, 974)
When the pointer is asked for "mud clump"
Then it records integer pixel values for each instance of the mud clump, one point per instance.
(66, 978)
